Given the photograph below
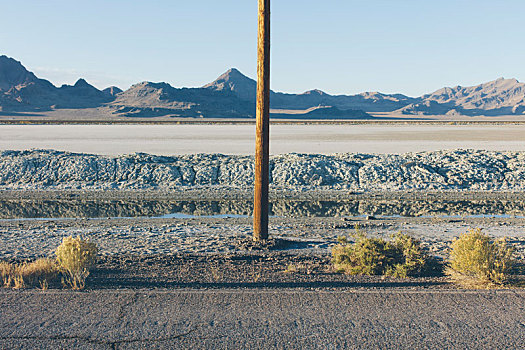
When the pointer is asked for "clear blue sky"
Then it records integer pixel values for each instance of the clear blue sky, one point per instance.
(339, 46)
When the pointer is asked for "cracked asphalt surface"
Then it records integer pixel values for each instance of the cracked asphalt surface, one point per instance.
(269, 319)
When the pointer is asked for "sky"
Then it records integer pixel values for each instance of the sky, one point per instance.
(339, 46)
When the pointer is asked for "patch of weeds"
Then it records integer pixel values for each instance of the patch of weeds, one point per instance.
(44, 285)
(298, 268)
(291, 268)
(257, 270)
(41, 272)
(75, 258)
(18, 281)
(7, 272)
(477, 261)
(402, 256)
(215, 272)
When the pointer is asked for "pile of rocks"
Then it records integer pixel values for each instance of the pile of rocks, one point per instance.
(440, 170)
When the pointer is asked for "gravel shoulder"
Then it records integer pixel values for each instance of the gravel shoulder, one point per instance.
(29, 239)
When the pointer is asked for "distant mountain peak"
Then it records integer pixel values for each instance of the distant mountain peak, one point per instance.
(150, 85)
(504, 82)
(112, 91)
(232, 75)
(13, 73)
(315, 92)
(233, 80)
(81, 83)
(6, 59)
(233, 71)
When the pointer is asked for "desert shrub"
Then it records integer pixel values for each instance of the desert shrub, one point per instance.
(403, 256)
(75, 258)
(476, 260)
(41, 273)
(7, 272)
(413, 260)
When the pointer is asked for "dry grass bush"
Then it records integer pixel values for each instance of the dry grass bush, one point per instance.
(476, 261)
(403, 256)
(75, 258)
(7, 272)
(40, 273)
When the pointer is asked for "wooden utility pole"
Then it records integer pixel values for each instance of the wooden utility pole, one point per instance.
(262, 138)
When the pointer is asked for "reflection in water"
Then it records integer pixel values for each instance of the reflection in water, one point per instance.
(11, 209)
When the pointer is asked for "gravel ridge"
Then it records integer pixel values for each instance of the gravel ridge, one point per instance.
(457, 170)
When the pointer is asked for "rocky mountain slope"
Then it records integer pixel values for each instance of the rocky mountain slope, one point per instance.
(21, 90)
(233, 95)
(236, 82)
(157, 99)
(498, 97)
(245, 88)
(12, 74)
(17, 84)
(440, 170)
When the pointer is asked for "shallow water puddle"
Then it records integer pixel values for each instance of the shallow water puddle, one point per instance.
(56, 209)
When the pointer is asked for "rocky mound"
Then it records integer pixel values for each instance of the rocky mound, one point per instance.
(441, 170)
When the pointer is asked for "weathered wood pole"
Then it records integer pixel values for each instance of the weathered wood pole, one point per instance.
(262, 136)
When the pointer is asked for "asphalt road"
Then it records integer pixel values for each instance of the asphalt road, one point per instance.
(262, 319)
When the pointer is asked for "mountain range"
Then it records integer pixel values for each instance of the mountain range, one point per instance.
(233, 95)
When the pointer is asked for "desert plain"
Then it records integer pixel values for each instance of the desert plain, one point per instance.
(238, 139)
(169, 207)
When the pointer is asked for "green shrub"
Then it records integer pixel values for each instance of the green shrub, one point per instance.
(413, 260)
(75, 257)
(477, 261)
(400, 257)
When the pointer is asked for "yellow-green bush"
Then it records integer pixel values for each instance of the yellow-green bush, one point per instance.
(39, 273)
(400, 257)
(476, 260)
(75, 257)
